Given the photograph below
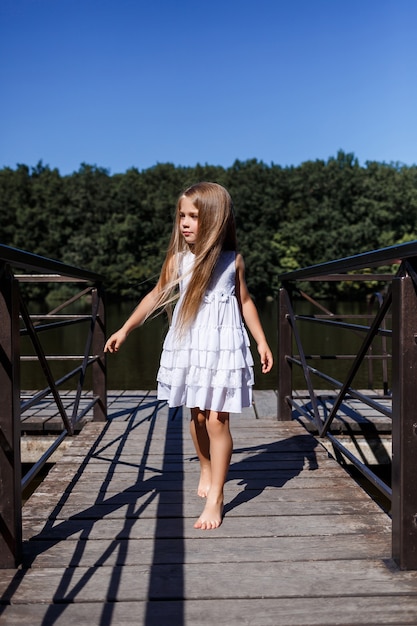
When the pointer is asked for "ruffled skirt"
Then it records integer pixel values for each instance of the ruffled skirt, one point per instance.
(210, 366)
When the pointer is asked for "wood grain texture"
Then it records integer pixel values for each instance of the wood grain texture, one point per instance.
(109, 536)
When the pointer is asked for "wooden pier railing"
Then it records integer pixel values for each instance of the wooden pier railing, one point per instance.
(15, 322)
(399, 304)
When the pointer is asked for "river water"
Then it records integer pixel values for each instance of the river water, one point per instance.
(135, 366)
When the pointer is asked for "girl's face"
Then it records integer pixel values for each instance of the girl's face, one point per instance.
(188, 220)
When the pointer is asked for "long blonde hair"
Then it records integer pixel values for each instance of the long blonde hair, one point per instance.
(216, 232)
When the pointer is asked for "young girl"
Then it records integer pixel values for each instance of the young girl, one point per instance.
(206, 363)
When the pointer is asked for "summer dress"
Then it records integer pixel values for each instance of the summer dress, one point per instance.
(210, 366)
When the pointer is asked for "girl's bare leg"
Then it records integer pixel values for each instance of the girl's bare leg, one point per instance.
(221, 446)
(199, 435)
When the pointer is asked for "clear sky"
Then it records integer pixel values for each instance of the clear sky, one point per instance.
(132, 83)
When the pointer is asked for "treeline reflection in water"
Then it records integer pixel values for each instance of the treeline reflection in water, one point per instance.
(135, 366)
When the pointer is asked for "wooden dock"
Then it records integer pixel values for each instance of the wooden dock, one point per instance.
(109, 535)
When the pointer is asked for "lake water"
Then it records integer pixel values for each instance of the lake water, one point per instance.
(135, 366)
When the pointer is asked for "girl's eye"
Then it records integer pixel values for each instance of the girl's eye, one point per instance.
(193, 216)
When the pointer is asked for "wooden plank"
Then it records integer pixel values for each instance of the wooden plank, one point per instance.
(241, 506)
(84, 498)
(266, 526)
(356, 611)
(320, 579)
(120, 485)
(201, 549)
(273, 454)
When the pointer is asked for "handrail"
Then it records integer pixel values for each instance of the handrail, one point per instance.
(400, 302)
(374, 258)
(13, 311)
(36, 263)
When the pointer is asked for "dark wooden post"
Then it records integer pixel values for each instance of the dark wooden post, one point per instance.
(404, 423)
(284, 349)
(10, 463)
(99, 367)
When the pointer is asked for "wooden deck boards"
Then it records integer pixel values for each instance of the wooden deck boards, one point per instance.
(109, 535)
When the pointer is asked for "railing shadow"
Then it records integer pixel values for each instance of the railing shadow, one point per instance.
(69, 586)
(296, 452)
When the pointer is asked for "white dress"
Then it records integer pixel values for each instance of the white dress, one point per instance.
(210, 366)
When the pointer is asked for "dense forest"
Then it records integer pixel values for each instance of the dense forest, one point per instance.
(287, 217)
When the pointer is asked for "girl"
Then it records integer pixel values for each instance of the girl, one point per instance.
(206, 363)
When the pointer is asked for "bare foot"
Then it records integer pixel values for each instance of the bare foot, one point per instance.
(205, 482)
(211, 517)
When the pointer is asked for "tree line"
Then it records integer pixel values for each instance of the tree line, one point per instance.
(287, 217)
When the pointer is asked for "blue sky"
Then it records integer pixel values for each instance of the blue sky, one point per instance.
(129, 83)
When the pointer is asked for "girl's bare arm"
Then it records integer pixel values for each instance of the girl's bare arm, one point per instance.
(137, 318)
(251, 317)
(139, 315)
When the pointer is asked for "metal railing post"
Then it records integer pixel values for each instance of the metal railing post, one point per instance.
(404, 423)
(10, 464)
(99, 367)
(284, 350)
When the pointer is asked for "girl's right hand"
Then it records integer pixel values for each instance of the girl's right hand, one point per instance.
(114, 342)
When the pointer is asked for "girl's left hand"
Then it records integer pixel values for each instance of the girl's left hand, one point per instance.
(267, 359)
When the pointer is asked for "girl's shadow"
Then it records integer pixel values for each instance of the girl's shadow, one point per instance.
(271, 465)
